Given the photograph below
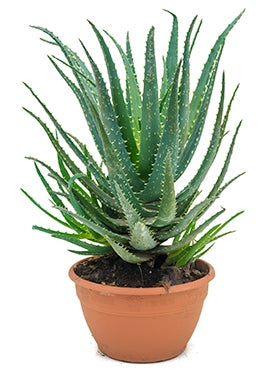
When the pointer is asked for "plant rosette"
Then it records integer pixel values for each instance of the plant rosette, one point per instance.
(123, 205)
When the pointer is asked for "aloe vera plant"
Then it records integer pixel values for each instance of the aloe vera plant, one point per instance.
(146, 140)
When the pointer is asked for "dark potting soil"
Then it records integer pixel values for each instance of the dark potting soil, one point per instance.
(112, 270)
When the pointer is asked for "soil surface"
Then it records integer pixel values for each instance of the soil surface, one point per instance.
(112, 270)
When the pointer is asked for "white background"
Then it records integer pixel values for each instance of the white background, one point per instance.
(42, 326)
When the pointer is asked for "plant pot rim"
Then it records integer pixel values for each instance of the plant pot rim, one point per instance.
(115, 290)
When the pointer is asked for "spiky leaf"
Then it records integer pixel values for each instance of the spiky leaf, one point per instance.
(171, 59)
(111, 126)
(126, 254)
(141, 237)
(167, 210)
(169, 141)
(118, 99)
(150, 122)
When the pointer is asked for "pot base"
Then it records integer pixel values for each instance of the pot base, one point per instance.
(136, 359)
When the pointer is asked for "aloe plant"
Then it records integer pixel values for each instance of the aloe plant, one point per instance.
(146, 139)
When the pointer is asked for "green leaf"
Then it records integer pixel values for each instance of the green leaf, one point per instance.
(225, 120)
(207, 238)
(187, 238)
(102, 230)
(150, 123)
(193, 186)
(229, 183)
(99, 216)
(71, 165)
(141, 237)
(118, 100)
(131, 214)
(82, 253)
(77, 65)
(228, 221)
(111, 127)
(117, 174)
(43, 209)
(226, 164)
(171, 59)
(82, 235)
(56, 200)
(173, 257)
(169, 141)
(97, 172)
(63, 169)
(188, 151)
(92, 166)
(85, 105)
(130, 56)
(200, 254)
(184, 104)
(134, 97)
(73, 200)
(90, 185)
(167, 210)
(92, 249)
(83, 77)
(184, 222)
(195, 36)
(207, 71)
(88, 78)
(191, 250)
(126, 254)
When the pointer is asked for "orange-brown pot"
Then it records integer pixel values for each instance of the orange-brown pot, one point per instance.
(142, 324)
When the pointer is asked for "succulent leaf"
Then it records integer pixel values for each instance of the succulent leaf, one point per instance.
(150, 122)
(167, 209)
(83, 99)
(126, 254)
(141, 237)
(192, 187)
(43, 209)
(91, 249)
(117, 175)
(196, 34)
(209, 66)
(74, 238)
(207, 238)
(184, 103)
(226, 164)
(99, 229)
(74, 202)
(77, 65)
(111, 127)
(169, 141)
(189, 149)
(134, 96)
(184, 222)
(131, 214)
(130, 56)
(171, 59)
(119, 105)
(58, 202)
(84, 79)
(189, 237)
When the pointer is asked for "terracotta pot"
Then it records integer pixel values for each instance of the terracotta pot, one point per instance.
(142, 324)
